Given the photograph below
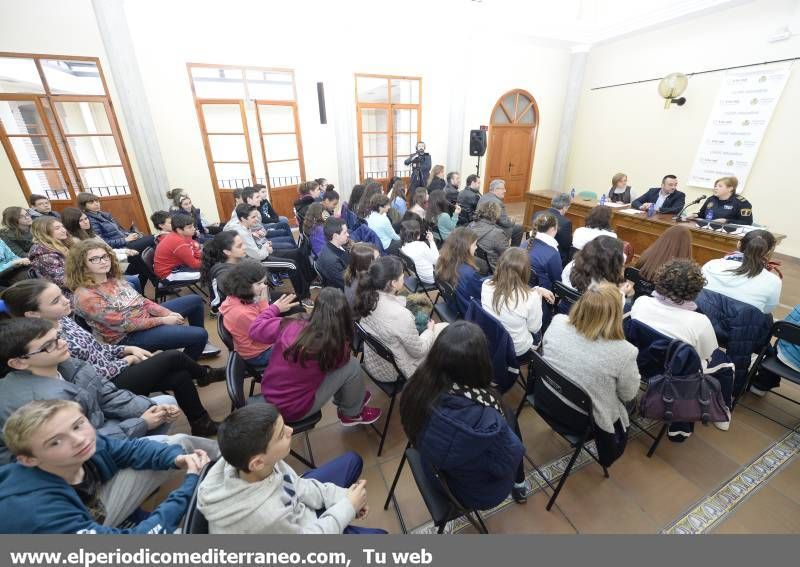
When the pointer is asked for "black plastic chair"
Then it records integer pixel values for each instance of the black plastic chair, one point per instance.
(440, 501)
(447, 309)
(641, 286)
(481, 253)
(574, 427)
(162, 288)
(234, 378)
(565, 297)
(413, 282)
(194, 522)
(391, 389)
(227, 339)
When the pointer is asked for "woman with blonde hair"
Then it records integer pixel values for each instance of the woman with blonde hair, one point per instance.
(436, 179)
(590, 349)
(508, 297)
(620, 191)
(51, 244)
(674, 243)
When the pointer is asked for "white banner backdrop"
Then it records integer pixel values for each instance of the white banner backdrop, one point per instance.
(737, 123)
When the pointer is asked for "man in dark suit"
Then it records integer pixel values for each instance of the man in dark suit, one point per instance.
(666, 198)
(558, 208)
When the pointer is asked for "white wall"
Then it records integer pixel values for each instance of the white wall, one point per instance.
(627, 129)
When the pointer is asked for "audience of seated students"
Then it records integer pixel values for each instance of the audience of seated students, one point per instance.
(51, 244)
(16, 231)
(40, 206)
(675, 243)
(248, 218)
(397, 196)
(605, 367)
(69, 479)
(788, 353)
(423, 254)
(496, 194)
(671, 310)
(313, 226)
(252, 490)
(205, 229)
(104, 226)
(77, 224)
(544, 255)
(308, 192)
(220, 255)
(744, 276)
(597, 223)
(468, 199)
(37, 366)
(438, 214)
(118, 314)
(177, 256)
(280, 235)
(362, 255)
(457, 421)
(247, 296)
(128, 367)
(273, 223)
(507, 296)
(311, 360)
(436, 180)
(330, 200)
(383, 314)
(559, 205)
(601, 260)
(12, 267)
(365, 202)
(334, 258)
(418, 201)
(451, 189)
(457, 266)
(491, 238)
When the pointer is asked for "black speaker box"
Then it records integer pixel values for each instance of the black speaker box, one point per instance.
(477, 142)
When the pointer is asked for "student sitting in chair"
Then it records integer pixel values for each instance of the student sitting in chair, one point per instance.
(177, 257)
(252, 490)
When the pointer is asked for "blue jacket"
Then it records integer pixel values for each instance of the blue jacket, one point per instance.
(105, 227)
(791, 351)
(501, 345)
(474, 448)
(564, 234)
(45, 503)
(740, 328)
(546, 263)
(469, 285)
(363, 233)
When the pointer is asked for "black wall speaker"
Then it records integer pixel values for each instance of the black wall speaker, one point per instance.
(477, 142)
(323, 116)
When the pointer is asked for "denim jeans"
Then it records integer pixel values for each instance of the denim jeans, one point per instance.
(164, 337)
(261, 360)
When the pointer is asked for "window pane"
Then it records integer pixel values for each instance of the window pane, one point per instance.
(33, 152)
(400, 168)
(499, 117)
(276, 118)
(372, 89)
(270, 85)
(218, 83)
(233, 175)
(376, 167)
(405, 91)
(94, 150)
(228, 148)
(72, 77)
(375, 144)
(223, 118)
(526, 118)
(83, 117)
(522, 103)
(19, 75)
(284, 174)
(405, 120)
(374, 120)
(405, 144)
(280, 146)
(50, 183)
(510, 101)
(20, 117)
(105, 181)
(61, 147)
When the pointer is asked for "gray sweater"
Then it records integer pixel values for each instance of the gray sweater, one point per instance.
(607, 370)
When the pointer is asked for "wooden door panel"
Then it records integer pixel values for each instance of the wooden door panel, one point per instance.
(282, 200)
(510, 159)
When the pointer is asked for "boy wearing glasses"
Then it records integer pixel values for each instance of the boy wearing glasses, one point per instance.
(37, 366)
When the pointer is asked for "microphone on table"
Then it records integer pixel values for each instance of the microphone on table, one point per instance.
(678, 216)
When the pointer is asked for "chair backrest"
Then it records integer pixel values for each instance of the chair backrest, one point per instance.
(379, 348)
(235, 372)
(448, 293)
(224, 334)
(438, 498)
(565, 293)
(641, 286)
(505, 374)
(408, 263)
(148, 255)
(481, 253)
(786, 331)
(543, 381)
(194, 522)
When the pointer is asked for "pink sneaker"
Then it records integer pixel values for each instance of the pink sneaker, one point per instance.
(368, 415)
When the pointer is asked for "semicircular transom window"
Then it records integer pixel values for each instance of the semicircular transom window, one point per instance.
(515, 108)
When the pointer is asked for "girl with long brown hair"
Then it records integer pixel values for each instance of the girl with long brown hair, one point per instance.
(457, 267)
(51, 244)
(436, 179)
(674, 243)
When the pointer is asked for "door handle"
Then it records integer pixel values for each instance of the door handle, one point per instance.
(509, 166)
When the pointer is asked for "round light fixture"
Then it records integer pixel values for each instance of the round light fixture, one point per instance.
(671, 87)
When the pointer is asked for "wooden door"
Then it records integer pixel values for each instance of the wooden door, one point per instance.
(512, 143)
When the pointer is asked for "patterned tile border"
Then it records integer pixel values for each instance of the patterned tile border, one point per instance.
(710, 511)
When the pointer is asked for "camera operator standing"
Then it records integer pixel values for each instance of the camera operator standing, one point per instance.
(420, 163)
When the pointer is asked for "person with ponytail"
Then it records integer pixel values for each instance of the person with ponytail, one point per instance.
(745, 276)
(51, 244)
(543, 254)
(384, 315)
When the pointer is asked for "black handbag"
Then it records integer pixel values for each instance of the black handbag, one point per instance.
(684, 398)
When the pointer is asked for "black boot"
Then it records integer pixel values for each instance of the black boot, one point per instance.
(211, 375)
(204, 426)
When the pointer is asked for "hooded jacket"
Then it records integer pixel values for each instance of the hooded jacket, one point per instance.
(105, 227)
(491, 239)
(762, 291)
(475, 449)
(44, 503)
(113, 412)
(282, 503)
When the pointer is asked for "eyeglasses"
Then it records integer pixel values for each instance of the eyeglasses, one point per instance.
(99, 259)
(47, 347)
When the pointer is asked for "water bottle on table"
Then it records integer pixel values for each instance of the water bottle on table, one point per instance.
(602, 199)
(572, 194)
(651, 210)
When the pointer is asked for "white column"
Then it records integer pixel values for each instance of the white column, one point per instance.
(577, 67)
(456, 128)
(124, 69)
(342, 114)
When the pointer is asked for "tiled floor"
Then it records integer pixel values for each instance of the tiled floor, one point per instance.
(642, 495)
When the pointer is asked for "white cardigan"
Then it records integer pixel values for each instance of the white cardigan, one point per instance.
(691, 327)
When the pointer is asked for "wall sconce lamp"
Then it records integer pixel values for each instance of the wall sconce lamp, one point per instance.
(671, 87)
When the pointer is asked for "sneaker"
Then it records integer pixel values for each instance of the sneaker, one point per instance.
(204, 427)
(307, 303)
(723, 425)
(519, 492)
(210, 350)
(211, 375)
(368, 415)
(758, 391)
(275, 280)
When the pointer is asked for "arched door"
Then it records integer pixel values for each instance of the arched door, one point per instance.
(512, 143)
